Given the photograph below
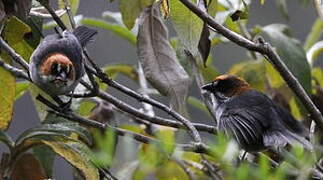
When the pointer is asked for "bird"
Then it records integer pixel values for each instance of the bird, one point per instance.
(254, 121)
(56, 65)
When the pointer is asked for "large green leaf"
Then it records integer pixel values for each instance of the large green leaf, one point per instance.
(130, 10)
(291, 52)
(188, 26)
(114, 28)
(61, 139)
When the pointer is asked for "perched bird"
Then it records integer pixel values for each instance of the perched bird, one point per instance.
(254, 120)
(56, 65)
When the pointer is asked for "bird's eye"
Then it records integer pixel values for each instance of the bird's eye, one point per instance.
(54, 68)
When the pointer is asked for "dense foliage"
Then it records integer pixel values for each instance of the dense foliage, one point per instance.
(167, 67)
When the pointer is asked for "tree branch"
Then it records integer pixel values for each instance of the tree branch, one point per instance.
(197, 147)
(267, 50)
(16, 57)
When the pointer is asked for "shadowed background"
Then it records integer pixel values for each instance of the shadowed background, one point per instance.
(109, 48)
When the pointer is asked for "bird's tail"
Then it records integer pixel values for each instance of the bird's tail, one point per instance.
(287, 137)
(84, 34)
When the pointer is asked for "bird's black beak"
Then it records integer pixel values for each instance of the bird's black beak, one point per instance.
(208, 87)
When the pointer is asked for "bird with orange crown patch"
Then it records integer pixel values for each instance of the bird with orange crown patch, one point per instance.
(56, 65)
(254, 120)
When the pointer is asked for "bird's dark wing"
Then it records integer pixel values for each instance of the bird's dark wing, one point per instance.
(247, 125)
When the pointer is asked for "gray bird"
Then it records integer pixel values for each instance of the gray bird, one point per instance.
(56, 65)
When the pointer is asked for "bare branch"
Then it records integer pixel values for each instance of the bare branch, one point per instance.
(15, 71)
(54, 15)
(69, 13)
(16, 57)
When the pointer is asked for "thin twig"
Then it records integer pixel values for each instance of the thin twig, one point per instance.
(207, 97)
(69, 13)
(15, 71)
(267, 50)
(147, 108)
(15, 56)
(53, 14)
(153, 119)
(198, 148)
(183, 165)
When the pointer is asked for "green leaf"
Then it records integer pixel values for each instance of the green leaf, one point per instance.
(212, 7)
(197, 104)
(6, 139)
(187, 25)
(7, 98)
(171, 170)
(273, 76)
(167, 140)
(209, 72)
(127, 70)
(291, 53)
(21, 88)
(317, 74)
(105, 147)
(282, 6)
(46, 157)
(63, 130)
(252, 71)
(75, 153)
(130, 10)
(85, 108)
(314, 34)
(114, 28)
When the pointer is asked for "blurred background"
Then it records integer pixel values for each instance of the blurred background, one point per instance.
(108, 48)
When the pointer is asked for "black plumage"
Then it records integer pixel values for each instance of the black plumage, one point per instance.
(252, 118)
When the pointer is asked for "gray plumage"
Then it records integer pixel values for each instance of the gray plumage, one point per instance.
(70, 45)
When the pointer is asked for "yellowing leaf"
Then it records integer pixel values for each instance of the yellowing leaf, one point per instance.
(15, 30)
(7, 97)
(73, 153)
(13, 33)
(164, 8)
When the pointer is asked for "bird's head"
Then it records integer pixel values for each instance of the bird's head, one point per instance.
(58, 69)
(227, 85)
